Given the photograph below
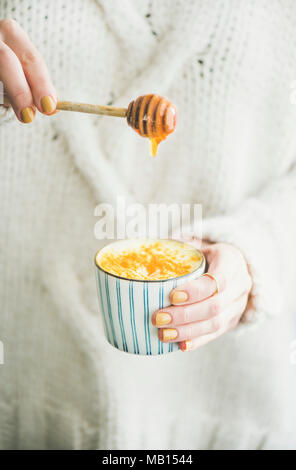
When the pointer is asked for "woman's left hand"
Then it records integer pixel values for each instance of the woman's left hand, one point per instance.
(199, 313)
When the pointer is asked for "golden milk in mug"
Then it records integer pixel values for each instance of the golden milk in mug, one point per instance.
(135, 278)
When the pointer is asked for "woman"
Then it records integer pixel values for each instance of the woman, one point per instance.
(228, 67)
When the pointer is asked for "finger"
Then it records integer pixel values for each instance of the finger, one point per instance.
(189, 313)
(190, 331)
(196, 242)
(226, 261)
(191, 344)
(223, 275)
(15, 85)
(204, 327)
(35, 69)
(196, 291)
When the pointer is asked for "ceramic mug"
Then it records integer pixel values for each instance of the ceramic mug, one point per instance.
(127, 305)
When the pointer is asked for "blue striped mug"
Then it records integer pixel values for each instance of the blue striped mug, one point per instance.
(127, 305)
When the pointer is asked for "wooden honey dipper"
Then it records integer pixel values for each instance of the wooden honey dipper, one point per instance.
(151, 116)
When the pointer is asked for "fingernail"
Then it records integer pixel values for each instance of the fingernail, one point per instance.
(179, 296)
(169, 334)
(47, 104)
(186, 345)
(27, 115)
(162, 319)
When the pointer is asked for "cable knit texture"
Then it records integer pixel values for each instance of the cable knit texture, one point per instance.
(228, 66)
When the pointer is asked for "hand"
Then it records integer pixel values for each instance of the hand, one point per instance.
(24, 74)
(198, 314)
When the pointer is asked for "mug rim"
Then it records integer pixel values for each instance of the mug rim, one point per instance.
(200, 267)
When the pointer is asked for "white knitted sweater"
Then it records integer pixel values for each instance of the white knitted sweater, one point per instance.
(228, 66)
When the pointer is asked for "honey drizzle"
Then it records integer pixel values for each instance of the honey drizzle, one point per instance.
(154, 143)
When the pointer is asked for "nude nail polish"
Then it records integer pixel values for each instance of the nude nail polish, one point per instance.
(169, 333)
(179, 296)
(27, 115)
(47, 104)
(186, 345)
(162, 319)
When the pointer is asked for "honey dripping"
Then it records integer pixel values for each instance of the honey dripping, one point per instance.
(152, 116)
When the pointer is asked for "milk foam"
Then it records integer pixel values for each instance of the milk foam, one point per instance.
(149, 259)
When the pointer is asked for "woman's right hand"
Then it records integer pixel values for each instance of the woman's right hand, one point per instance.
(24, 74)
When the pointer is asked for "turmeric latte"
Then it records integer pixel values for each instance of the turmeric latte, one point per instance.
(149, 259)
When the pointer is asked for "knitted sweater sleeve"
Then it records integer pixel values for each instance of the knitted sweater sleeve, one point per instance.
(264, 229)
(6, 114)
